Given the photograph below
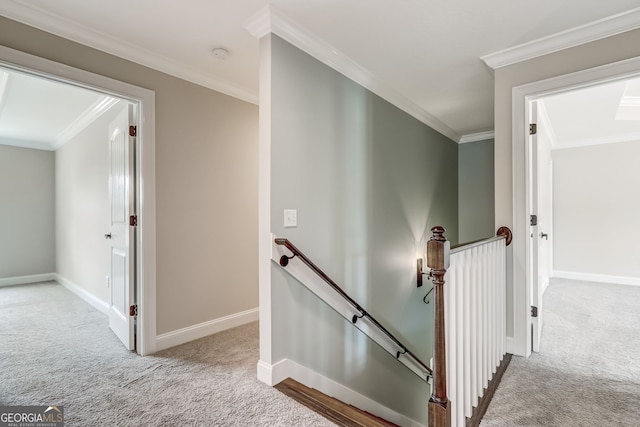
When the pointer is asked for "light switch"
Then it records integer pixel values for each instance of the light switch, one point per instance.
(290, 218)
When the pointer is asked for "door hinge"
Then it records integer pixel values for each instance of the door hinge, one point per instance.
(133, 220)
(534, 311)
(133, 310)
(133, 130)
(533, 129)
(534, 220)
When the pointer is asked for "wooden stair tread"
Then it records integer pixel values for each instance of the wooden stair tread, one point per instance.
(331, 408)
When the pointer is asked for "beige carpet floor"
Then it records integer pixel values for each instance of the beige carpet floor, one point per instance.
(587, 372)
(55, 349)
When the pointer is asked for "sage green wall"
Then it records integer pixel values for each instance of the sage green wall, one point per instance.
(368, 182)
(27, 203)
(475, 191)
(206, 183)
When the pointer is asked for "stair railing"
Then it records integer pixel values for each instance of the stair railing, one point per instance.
(470, 320)
(361, 319)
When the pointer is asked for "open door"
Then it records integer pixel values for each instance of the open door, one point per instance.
(534, 219)
(122, 227)
(541, 194)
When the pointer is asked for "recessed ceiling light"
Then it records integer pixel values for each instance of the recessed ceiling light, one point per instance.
(220, 53)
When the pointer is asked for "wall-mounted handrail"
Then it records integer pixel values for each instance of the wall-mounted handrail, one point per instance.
(284, 261)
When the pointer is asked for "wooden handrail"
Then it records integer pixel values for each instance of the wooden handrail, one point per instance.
(502, 233)
(284, 261)
(438, 252)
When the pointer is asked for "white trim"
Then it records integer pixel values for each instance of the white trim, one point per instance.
(287, 368)
(592, 31)
(545, 285)
(146, 204)
(85, 295)
(599, 278)
(521, 98)
(509, 344)
(629, 137)
(23, 280)
(33, 16)
(264, 201)
(98, 108)
(23, 143)
(475, 137)
(272, 20)
(201, 330)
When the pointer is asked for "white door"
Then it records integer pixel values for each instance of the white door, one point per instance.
(536, 220)
(122, 234)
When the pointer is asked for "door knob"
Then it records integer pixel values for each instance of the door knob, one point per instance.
(544, 236)
(107, 236)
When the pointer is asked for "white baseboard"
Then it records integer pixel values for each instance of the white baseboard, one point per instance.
(600, 278)
(509, 344)
(545, 285)
(23, 280)
(87, 296)
(190, 333)
(273, 374)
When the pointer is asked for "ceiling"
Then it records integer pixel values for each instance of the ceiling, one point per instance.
(42, 113)
(602, 114)
(423, 55)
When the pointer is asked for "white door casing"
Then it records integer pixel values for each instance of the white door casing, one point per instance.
(122, 235)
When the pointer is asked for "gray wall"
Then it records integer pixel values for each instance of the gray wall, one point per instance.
(27, 233)
(591, 199)
(206, 183)
(82, 207)
(475, 191)
(368, 182)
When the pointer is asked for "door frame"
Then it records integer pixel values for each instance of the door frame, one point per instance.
(521, 98)
(145, 172)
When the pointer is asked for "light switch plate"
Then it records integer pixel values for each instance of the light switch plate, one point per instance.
(290, 218)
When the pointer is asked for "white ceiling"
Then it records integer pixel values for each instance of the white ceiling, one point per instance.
(422, 54)
(601, 114)
(44, 114)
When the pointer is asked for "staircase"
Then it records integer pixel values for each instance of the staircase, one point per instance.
(334, 410)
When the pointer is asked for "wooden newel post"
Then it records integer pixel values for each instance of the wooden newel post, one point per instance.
(438, 248)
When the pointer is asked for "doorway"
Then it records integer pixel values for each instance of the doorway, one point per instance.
(522, 98)
(144, 202)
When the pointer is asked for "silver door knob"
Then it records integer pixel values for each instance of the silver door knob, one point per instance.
(107, 236)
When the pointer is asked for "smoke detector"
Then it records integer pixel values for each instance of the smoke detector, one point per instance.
(220, 53)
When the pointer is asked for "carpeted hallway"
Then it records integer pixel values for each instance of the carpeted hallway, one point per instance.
(588, 370)
(58, 350)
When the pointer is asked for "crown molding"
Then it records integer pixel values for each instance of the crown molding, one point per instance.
(629, 137)
(272, 20)
(592, 31)
(475, 137)
(74, 31)
(98, 108)
(23, 143)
